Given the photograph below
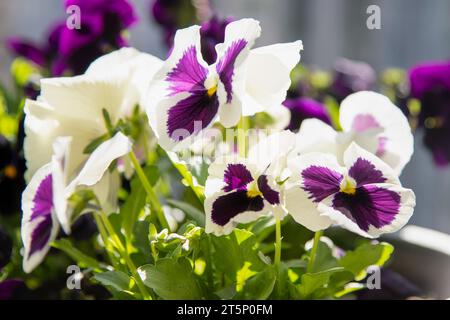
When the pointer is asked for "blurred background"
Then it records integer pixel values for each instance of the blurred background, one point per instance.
(411, 31)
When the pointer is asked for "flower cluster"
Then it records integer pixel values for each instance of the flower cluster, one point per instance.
(72, 49)
(104, 142)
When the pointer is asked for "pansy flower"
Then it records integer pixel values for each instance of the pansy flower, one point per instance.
(75, 107)
(363, 196)
(369, 119)
(430, 83)
(241, 190)
(45, 200)
(189, 95)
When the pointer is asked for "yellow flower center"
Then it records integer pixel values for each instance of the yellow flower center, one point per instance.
(348, 186)
(211, 91)
(253, 190)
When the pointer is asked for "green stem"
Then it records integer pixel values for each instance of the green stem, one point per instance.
(277, 259)
(104, 236)
(156, 206)
(242, 136)
(312, 255)
(124, 253)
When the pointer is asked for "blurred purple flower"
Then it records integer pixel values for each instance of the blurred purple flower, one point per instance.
(304, 108)
(212, 32)
(102, 23)
(430, 83)
(351, 76)
(11, 289)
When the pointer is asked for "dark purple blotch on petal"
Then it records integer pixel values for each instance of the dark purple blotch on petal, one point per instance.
(320, 182)
(188, 75)
(272, 196)
(369, 206)
(42, 215)
(225, 66)
(191, 114)
(230, 205)
(364, 172)
(236, 177)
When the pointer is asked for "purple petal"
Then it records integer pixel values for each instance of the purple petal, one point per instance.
(230, 205)
(43, 200)
(74, 39)
(212, 33)
(194, 113)
(429, 77)
(305, 108)
(27, 50)
(225, 67)
(320, 182)
(272, 196)
(188, 75)
(369, 206)
(9, 288)
(236, 177)
(364, 172)
(41, 234)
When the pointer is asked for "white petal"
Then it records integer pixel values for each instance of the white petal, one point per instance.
(268, 76)
(304, 211)
(101, 158)
(272, 150)
(316, 136)
(60, 159)
(140, 67)
(244, 29)
(399, 145)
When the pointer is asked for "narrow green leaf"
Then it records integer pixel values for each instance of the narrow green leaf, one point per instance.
(118, 280)
(79, 257)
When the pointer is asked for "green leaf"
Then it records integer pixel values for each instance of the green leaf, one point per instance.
(118, 280)
(79, 257)
(172, 279)
(95, 143)
(333, 111)
(136, 200)
(324, 258)
(191, 211)
(366, 255)
(313, 282)
(232, 252)
(260, 286)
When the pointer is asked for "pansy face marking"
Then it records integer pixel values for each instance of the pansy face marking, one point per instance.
(188, 95)
(243, 196)
(365, 196)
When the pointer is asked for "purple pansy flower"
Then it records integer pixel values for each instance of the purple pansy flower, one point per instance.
(305, 108)
(351, 76)
(102, 23)
(430, 83)
(241, 190)
(243, 196)
(365, 196)
(212, 33)
(188, 95)
(12, 289)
